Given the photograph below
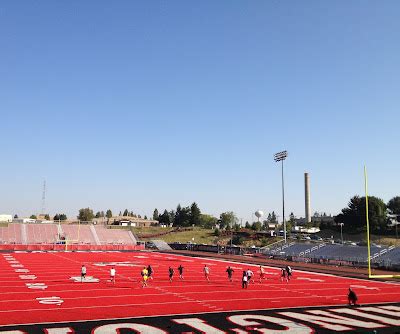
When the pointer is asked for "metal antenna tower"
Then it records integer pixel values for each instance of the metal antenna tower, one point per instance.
(44, 198)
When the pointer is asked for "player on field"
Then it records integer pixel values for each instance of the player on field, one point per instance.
(230, 272)
(352, 297)
(250, 275)
(283, 275)
(180, 270)
(245, 280)
(150, 272)
(206, 271)
(262, 273)
(171, 273)
(112, 275)
(288, 272)
(83, 272)
(145, 275)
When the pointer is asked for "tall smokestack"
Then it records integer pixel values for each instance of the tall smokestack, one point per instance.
(307, 197)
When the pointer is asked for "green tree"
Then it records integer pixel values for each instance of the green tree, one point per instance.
(354, 218)
(247, 225)
(85, 214)
(227, 219)
(195, 214)
(47, 217)
(165, 218)
(126, 213)
(155, 214)
(182, 216)
(394, 205)
(33, 217)
(109, 214)
(60, 217)
(208, 221)
(97, 214)
(15, 216)
(256, 226)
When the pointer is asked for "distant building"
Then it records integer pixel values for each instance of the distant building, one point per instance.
(24, 220)
(6, 218)
(132, 221)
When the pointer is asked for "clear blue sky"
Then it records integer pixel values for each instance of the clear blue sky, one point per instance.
(149, 104)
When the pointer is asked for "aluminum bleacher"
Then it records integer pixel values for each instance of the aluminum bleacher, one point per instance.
(78, 234)
(11, 234)
(41, 233)
(114, 236)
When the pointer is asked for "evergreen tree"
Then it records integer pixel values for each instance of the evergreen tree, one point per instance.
(108, 213)
(195, 215)
(354, 216)
(394, 205)
(85, 214)
(126, 213)
(97, 214)
(155, 214)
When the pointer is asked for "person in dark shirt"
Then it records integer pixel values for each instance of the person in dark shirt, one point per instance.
(180, 270)
(352, 297)
(171, 273)
(230, 272)
(288, 272)
(150, 272)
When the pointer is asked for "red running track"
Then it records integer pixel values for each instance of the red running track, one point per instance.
(37, 288)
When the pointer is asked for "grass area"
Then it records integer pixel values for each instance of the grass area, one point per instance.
(197, 235)
(3, 224)
(200, 236)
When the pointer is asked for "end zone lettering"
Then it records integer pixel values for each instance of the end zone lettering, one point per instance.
(384, 319)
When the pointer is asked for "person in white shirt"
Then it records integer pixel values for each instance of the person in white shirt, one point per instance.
(83, 272)
(250, 275)
(206, 272)
(112, 275)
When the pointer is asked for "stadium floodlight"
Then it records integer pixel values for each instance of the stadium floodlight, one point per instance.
(281, 156)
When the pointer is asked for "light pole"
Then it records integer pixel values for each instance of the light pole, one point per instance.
(281, 156)
(341, 231)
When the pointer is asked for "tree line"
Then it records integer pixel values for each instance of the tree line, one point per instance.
(354, 216)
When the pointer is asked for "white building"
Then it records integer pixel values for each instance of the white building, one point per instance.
(24, 220)
(6, 218)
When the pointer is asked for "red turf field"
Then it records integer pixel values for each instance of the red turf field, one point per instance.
(19, 304)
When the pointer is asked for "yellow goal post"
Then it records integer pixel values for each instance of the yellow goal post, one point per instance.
(370, 275)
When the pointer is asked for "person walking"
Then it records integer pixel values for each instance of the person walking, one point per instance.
(244, 280)
(230, 271)
(83, 272)
(206, 271)
(180, 270)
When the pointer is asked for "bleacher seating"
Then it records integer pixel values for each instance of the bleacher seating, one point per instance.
(114, 236)
(296, 249)
(41, 233)
(11, 234)
(392, 257)
(78, 234)
(344, 252)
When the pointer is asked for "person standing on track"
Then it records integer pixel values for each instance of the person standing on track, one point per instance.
(288, 272)
(283, 275)
(230, 272)
(206, 271)
(171, 273)
(245, 280)
(83, 272)
(112, 275)
(250, 275)
(262, 273)
(150, 272)
(180, 270)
